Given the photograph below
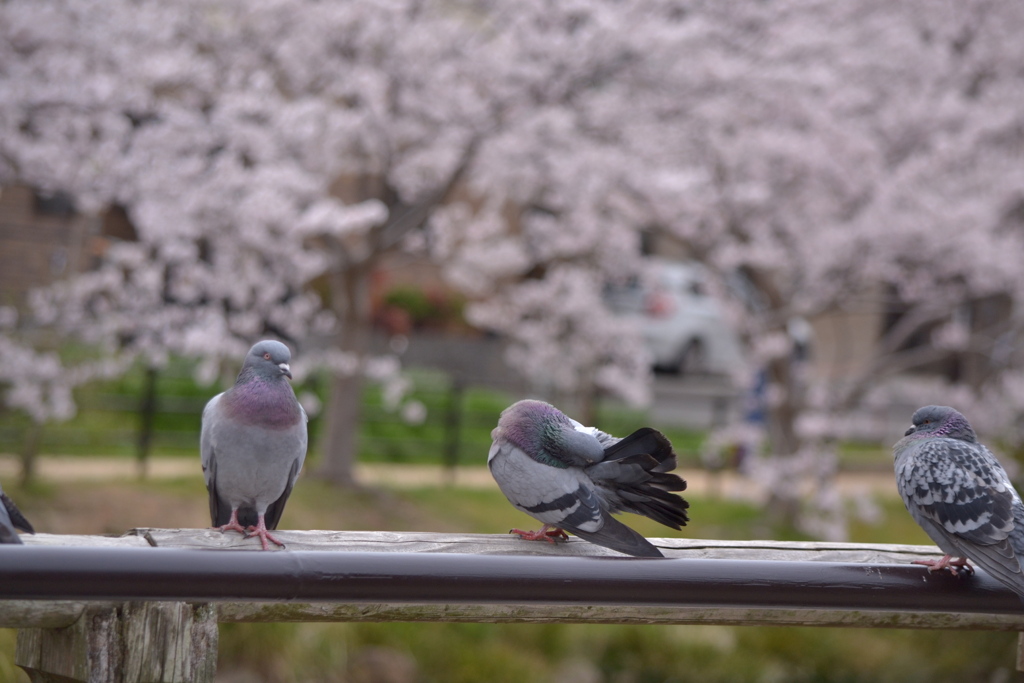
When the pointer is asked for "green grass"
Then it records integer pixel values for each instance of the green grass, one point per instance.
(496, 653)
(513, 653)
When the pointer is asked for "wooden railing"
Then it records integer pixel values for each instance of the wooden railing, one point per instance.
(145, 607)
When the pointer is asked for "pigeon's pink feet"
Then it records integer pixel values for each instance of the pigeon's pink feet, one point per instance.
(233, 524)
(947, 562)
(548, 532)
(260, 530)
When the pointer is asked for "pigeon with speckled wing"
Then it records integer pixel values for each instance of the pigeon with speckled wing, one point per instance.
(253, 444)
(572, 478)
(961, 496)
(10, 520)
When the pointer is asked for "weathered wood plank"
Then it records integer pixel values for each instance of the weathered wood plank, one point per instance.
(85, 541)
(40, 614)
(57, 613)
(491, 544)
(497, 544)
(367, 541)
(618, 614)
(406, 542)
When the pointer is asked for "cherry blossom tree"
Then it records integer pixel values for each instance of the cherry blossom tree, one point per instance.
(255, 148)
(267, 155)
(815, 157)
(847, 158)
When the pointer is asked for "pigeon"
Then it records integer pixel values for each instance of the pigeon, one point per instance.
(11, 519)
(253, 444)
(572, 478)
(961, 496)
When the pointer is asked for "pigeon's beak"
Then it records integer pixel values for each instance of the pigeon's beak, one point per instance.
(910, 431)
(285, 370)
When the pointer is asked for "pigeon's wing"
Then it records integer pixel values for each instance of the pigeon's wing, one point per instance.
(305, 444)
(206, 445)
(966, 494)
(962, 488)
(565, 498)
(14, 514)
(646, 440)
(550, 495)
(220, 511)
(276, 509)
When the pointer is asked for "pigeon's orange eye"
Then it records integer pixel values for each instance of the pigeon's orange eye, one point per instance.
(267, 356)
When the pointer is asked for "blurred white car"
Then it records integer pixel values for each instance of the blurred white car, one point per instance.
(682, 325)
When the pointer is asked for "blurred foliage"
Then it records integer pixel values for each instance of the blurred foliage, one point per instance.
(406, 307)
(107, 421)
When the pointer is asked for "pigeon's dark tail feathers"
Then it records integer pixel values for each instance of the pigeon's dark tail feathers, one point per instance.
(635, 477)
(9, 535)
(17, 519)
(617, 536)
(648, 441)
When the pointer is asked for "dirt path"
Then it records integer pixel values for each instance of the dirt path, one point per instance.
(726, 485)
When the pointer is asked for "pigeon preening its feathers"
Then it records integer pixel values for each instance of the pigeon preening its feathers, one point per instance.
(570, 477)
(10, 520)
(253, 444)
(961, 496)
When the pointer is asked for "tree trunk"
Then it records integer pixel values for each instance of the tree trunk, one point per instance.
(339, 441)
(30, 453)
(147, 411)
(784, 503)
(781, 416)
(350, 301)
(350, 293)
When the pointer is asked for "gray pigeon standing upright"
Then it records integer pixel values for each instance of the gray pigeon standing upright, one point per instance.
(253, 444)
(961, 496)
(571, 477)
(11, 519)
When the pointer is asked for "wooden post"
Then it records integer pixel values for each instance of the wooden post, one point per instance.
(135, 642)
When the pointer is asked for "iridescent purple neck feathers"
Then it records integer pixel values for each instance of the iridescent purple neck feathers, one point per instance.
(269, 403)
(547, 435)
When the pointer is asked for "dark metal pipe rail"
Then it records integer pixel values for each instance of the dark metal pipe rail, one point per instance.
(81, 573)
